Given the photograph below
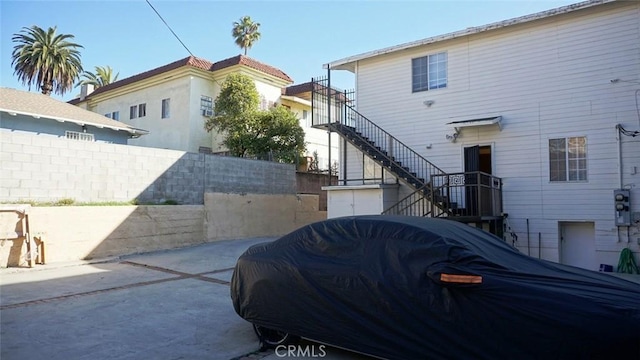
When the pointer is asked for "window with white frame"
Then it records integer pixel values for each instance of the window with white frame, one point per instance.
(113, 115)
(263, 103)
(206, 105)
(429, 72)
(136, 111)
(568, 159)
(165, 108)
(76, 135)
(306, 118)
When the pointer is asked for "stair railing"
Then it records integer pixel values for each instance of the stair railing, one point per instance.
(414, 204)
(333, 109)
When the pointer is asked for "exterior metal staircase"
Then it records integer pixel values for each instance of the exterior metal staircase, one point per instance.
(471, 197)
(332, 111)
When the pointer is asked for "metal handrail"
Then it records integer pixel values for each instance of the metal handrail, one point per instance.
(474, 193)
(392, 149)
(332, 108)
(407, 205)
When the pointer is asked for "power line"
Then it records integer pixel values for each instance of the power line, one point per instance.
(169, 27)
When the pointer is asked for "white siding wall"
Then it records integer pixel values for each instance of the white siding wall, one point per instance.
(547, 79)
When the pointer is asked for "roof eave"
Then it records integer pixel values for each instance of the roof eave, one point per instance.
(78, 122)
(296, 99)
(348, 63)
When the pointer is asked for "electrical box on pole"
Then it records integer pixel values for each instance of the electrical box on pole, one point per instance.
(622, 210)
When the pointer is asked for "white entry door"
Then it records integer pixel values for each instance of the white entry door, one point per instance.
(578, 244)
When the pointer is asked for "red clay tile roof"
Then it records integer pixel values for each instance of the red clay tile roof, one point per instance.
(195, 62)
(254, 64)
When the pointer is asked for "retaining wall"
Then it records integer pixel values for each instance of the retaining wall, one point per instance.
(74, 233)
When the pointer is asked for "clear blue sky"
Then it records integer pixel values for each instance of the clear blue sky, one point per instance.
(297, 36)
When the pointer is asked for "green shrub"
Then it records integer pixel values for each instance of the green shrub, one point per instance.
(64, 202)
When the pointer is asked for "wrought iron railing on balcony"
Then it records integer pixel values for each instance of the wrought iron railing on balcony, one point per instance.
(468, 194)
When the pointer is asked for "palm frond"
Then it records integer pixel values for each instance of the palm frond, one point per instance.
(46, 59)
(103, 76)
(246, 33)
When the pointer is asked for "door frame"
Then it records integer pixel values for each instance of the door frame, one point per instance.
(490, 145)
(561, 223)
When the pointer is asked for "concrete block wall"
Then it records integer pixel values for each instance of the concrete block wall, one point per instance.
(37, 168)
(244, 176)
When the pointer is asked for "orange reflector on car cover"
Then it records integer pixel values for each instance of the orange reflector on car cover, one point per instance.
(461, 279)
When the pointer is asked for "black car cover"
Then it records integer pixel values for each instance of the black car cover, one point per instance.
(422, 288)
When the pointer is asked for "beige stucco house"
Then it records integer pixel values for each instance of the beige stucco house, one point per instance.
(173, 101)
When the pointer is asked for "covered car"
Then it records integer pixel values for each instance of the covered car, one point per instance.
(422, 288)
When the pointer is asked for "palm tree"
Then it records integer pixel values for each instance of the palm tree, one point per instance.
(46, 59)
(246, 33)
(103, 76)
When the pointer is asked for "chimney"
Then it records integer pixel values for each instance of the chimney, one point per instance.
(85, 90)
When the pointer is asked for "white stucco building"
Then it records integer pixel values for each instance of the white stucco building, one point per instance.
(544, 107)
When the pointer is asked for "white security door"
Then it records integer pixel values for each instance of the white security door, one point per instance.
(578, 244)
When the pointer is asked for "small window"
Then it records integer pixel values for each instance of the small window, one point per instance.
(165, 108)
(142, 110)
(306, 118)
(108, 115)
(115, 115)
(263, 103)
(206, 105)
(133, 112)
(429, 72)
(75, 135)
(568, 159)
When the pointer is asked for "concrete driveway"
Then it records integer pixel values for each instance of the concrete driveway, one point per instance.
(163, 305)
